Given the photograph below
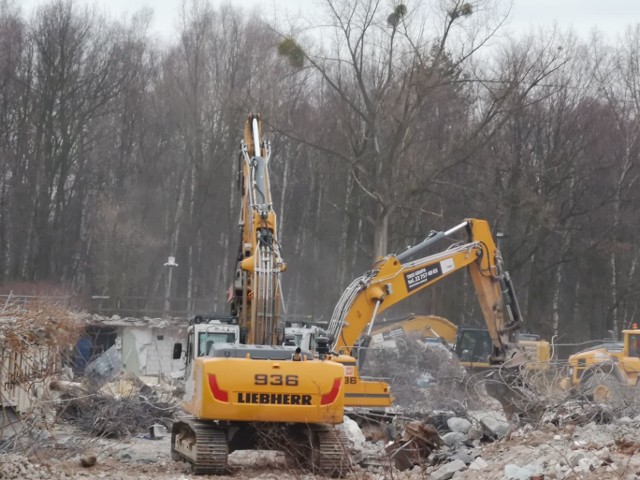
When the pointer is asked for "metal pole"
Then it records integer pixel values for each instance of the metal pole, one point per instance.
(171, 263)
(430, 241)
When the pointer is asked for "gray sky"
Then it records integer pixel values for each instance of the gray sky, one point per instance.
(610, 16)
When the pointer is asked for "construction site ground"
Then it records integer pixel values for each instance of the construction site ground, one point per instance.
(115, 426)
(590, 451)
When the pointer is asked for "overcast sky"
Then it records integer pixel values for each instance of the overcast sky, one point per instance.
(610, 16)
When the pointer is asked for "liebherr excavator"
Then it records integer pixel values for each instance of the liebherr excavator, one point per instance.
(396, 277)
(253, 394)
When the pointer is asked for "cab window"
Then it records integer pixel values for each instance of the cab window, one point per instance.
(634, 345)
(474, 346)
(189, 351)
(206, 340)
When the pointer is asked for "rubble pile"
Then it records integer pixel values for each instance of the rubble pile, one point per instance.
(439, 446)
(589, 451)
(422, 376)
(120, 423)
(33, 341)
(121, 408)
(39, 324)
(563, 447)
(416, 444)
(19, 467)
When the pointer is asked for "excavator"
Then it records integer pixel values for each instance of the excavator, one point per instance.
(394, 278)
(255, 394)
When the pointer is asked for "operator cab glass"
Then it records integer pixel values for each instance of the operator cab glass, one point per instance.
(206, 340)
(634, 345)
(298, 339)
(474, 345)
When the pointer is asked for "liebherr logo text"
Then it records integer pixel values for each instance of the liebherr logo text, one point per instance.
(274, 398)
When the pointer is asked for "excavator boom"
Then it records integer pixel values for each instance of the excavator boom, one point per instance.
(256, 293)
(395, 278)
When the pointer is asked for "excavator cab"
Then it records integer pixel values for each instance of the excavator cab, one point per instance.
(473, 347)
(634, 344)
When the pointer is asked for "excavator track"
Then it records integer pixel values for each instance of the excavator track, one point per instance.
(319, 449)
(202, 444)
(331, 456)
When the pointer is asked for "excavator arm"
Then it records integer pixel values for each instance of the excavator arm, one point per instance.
(256, 294)
(395, 278)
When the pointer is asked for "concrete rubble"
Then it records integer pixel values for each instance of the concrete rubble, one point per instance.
(415, 445)
(574, 439)
(486, 446)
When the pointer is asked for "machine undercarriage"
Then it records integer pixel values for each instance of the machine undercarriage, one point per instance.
(315, 448)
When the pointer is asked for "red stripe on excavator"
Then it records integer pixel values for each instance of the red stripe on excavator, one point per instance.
(330, 397)
(218, 393)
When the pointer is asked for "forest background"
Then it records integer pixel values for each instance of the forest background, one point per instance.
(386, 121)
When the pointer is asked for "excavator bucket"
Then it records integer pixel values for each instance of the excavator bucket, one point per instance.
(519, 400)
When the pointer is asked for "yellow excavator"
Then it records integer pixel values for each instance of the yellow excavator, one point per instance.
(396, 277)
(256, 394)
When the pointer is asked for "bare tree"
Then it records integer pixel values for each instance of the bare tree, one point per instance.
(618, 77)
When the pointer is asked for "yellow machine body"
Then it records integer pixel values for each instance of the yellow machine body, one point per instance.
(257, 393)
(359, 392)
(623, 364)
(422, 326)
(241, 389)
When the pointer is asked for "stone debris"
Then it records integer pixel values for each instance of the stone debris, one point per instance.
(514, 472)
(88, 461)
(478, 464)
(465, 455)
(493, 423)
(413, 448)
(453, 438)
(564, 451)
(579, 413)
(573, 439)
(447, 471)
(19, 467)
(461, 425)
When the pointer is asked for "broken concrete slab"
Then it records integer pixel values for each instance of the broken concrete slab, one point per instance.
(478, 464)
(475, 434)
(494, 428)
(465, 455)
(453, 438)
(447, 471)
(457, 424)
(514, 472)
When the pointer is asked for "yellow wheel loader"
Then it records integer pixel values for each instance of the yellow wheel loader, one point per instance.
(608, 373)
